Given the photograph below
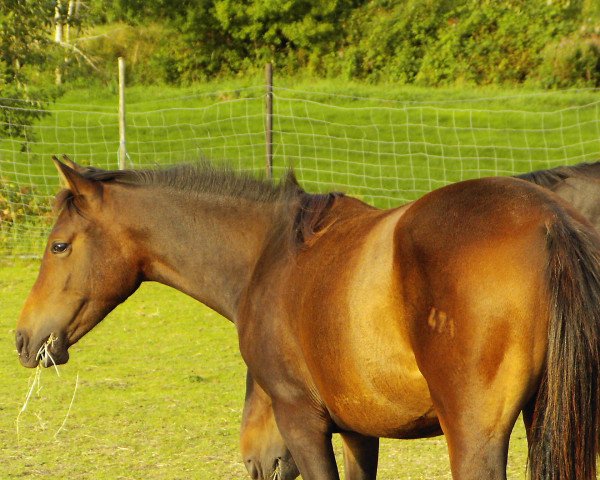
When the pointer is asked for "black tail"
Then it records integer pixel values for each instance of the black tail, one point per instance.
(566, 420)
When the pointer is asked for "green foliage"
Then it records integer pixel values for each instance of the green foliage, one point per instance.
(19, 204)
(226, 36)
(208, 38)
(387, 40)
(24, 29)
(146, 49)
(24, 50)
(430, 42)
(494, 42)
(571, 61)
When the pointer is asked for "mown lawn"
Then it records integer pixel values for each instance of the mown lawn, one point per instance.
(159, 396)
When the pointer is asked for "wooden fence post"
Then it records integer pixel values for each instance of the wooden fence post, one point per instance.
(122, 141)
(269, 119)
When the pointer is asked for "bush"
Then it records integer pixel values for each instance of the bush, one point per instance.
(148, 51)
(494, 42)
(20, 204)
(573, 61)
(431, 42)
(388, 40)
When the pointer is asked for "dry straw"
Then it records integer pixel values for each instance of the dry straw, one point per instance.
(70, 405)
(43, 355)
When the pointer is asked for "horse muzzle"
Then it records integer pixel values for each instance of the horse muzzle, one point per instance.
(277, 469)
(49, 350)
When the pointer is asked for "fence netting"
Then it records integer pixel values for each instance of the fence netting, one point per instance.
(384, 151)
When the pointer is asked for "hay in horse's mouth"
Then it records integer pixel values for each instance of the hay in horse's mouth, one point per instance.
(43, 354)
(277, 470)
(44, 357)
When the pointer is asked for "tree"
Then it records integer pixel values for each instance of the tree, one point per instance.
(25, 46)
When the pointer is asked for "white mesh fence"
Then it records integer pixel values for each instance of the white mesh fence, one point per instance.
(386, 152)
(390, 152)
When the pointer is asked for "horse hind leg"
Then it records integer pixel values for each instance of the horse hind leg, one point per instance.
(361, 455)
(478, 409)
(477, 414)
(476, 452)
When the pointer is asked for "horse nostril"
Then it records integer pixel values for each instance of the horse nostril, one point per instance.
(20, 342)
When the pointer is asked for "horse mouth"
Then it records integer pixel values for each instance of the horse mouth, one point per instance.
(284, 470)
(52, 352)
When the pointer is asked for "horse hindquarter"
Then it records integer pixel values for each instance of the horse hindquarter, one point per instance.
(475, 265)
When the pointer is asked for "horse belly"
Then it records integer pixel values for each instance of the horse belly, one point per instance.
(380, 390)
(391, 405)
(371, 383)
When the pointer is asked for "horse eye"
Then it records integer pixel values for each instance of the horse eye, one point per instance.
(59, 247)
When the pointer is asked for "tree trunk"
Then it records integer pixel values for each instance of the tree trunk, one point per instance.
(58, 38)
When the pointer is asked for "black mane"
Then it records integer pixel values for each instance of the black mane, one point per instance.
(549, 178)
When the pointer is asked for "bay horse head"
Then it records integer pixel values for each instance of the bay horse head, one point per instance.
(88, 268)
(264, 451)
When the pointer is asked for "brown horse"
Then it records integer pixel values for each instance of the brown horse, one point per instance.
(264, 451)
(451, 315)
(261, 442)
(267, 457)
(579, 185)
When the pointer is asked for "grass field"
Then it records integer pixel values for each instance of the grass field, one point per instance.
(161, 383)
(159, 396)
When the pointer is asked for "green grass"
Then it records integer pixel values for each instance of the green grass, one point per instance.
(385, 144)
(160, 380)
(161, 388)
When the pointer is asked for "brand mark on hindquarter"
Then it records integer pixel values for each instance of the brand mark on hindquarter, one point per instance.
(440, 322)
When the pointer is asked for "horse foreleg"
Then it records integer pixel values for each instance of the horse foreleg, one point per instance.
(308, 437)
(360, 456)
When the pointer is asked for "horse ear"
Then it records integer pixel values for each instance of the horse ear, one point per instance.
(291, 181)
(77, 183)
(71, 163)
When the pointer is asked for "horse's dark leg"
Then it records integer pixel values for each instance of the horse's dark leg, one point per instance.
(528, 418)
(308, 437)
(360, 456)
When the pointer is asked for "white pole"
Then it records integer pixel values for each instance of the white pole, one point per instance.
(122, 143)
(269, 119)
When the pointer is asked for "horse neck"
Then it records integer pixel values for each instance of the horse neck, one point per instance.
(206, 247)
